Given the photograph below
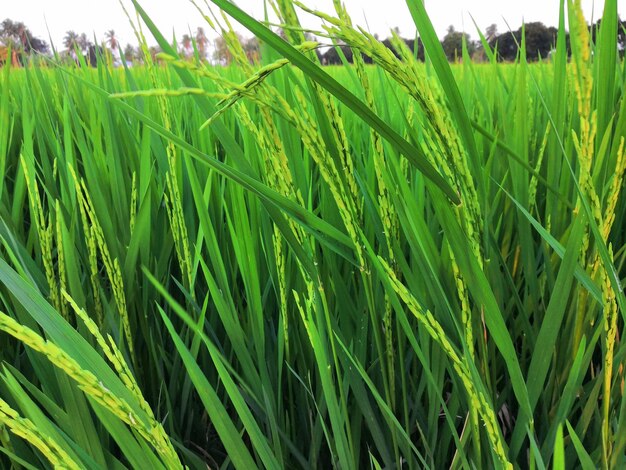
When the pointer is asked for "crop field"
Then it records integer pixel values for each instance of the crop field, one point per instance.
(283, 265)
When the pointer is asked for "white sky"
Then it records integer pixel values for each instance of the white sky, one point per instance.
(98, 16)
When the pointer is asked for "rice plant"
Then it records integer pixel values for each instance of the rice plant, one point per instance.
(284, 265)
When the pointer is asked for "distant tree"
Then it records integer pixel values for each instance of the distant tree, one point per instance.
(154, 51)
(20, 38)
(553, 35)
(111, 39)
(594, 30)
(506, 45)
(282, 33)
(417, 47)
(333, 57)
(539, 40)
(221, 53)
(491, 32)
(453, 44)
(130, 53)
(223, 56)
(202, 43)
(187, 44)
(93, 54)
(138, 56)
(621, 34)
(252, 49)
(83, 42)
(70, 42)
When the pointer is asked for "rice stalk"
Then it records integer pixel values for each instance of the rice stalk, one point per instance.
(24, 428)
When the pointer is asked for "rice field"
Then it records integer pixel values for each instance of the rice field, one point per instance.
(283, 265)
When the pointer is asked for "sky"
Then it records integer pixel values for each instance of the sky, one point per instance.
(51, 19)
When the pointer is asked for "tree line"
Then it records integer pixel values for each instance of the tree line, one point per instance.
(540, 41)
(20, 39)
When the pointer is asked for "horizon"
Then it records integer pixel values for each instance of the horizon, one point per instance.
(50, 24)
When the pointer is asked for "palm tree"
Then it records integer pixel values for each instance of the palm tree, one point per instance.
(202, 41)
(83, 42)
(111, 39)
(70, 41)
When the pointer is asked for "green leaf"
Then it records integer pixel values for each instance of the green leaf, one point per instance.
(315, 73)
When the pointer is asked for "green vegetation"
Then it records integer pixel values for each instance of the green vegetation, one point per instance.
(288, 266)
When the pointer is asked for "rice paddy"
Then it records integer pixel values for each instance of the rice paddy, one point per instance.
(284, 265)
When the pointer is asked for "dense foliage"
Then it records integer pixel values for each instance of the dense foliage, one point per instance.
(283, 265)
